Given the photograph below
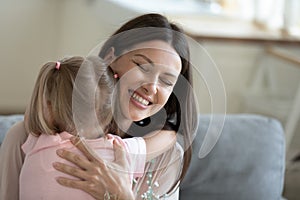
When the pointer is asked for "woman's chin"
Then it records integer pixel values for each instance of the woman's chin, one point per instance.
(138, 118)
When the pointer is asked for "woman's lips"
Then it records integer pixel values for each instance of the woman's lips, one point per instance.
(138, 100)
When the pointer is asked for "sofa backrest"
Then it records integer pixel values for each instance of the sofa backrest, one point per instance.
(247, 162)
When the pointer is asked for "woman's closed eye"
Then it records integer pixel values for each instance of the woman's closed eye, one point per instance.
(166, 82)
(143, 67)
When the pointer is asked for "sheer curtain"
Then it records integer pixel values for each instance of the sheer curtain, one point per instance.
(270, 14)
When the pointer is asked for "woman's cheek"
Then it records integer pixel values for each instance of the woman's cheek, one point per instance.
(166, 93)
(134, 79)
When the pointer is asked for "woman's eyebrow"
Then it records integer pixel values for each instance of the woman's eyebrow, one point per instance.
(146, 58)
(152, 64)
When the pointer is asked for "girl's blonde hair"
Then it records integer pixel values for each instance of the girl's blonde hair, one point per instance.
(50, 109)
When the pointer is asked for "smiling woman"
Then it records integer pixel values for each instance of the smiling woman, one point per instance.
(150, 57)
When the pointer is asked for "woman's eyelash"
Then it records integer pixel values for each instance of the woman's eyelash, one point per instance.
(168, 83)
(140, 66)
(144, 68)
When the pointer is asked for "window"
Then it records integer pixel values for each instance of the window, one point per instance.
(273, 14)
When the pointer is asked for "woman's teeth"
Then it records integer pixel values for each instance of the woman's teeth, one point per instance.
(140, 99)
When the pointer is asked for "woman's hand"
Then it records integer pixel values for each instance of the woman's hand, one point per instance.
(96, 177)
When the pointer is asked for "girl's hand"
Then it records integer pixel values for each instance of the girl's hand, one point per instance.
(101, 179)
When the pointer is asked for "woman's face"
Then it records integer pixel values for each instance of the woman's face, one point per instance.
(148, 73)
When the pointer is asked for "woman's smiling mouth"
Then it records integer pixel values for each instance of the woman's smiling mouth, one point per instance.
(139, 99)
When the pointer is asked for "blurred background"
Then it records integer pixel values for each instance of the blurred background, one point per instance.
(255, 45)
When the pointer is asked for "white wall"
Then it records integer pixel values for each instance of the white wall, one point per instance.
(40, 30)
(37, 31)
(27, 40)
(87, 23)
(235, 63)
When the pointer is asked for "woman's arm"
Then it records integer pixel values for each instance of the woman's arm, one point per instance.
(11, 161)
(157, 142)
(97, 177)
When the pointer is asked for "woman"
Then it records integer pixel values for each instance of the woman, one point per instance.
(138, 37)
(163, 51)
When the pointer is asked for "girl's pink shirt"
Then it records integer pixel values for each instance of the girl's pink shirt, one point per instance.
(37, 178)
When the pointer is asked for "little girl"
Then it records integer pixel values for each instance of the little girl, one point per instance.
(49, 120)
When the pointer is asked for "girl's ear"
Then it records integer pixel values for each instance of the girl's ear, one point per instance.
(110, 56)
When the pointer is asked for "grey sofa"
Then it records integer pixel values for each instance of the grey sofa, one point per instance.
(6, 121)
(247, 162)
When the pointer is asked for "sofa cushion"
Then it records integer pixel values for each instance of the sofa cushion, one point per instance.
(247, 162)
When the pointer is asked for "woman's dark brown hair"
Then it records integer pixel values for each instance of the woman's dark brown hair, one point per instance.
(180, 108)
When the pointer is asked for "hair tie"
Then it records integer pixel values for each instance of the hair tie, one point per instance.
(57, 65)
(116, 76)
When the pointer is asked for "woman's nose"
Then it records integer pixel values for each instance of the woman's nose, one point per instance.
(150, 88)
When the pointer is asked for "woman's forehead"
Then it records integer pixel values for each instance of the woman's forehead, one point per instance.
(153, 45)
(157, 58)
(159, 52)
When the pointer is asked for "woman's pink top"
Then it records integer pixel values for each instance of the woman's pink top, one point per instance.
(37, 178)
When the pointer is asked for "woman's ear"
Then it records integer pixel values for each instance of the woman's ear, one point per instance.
(110, 56)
